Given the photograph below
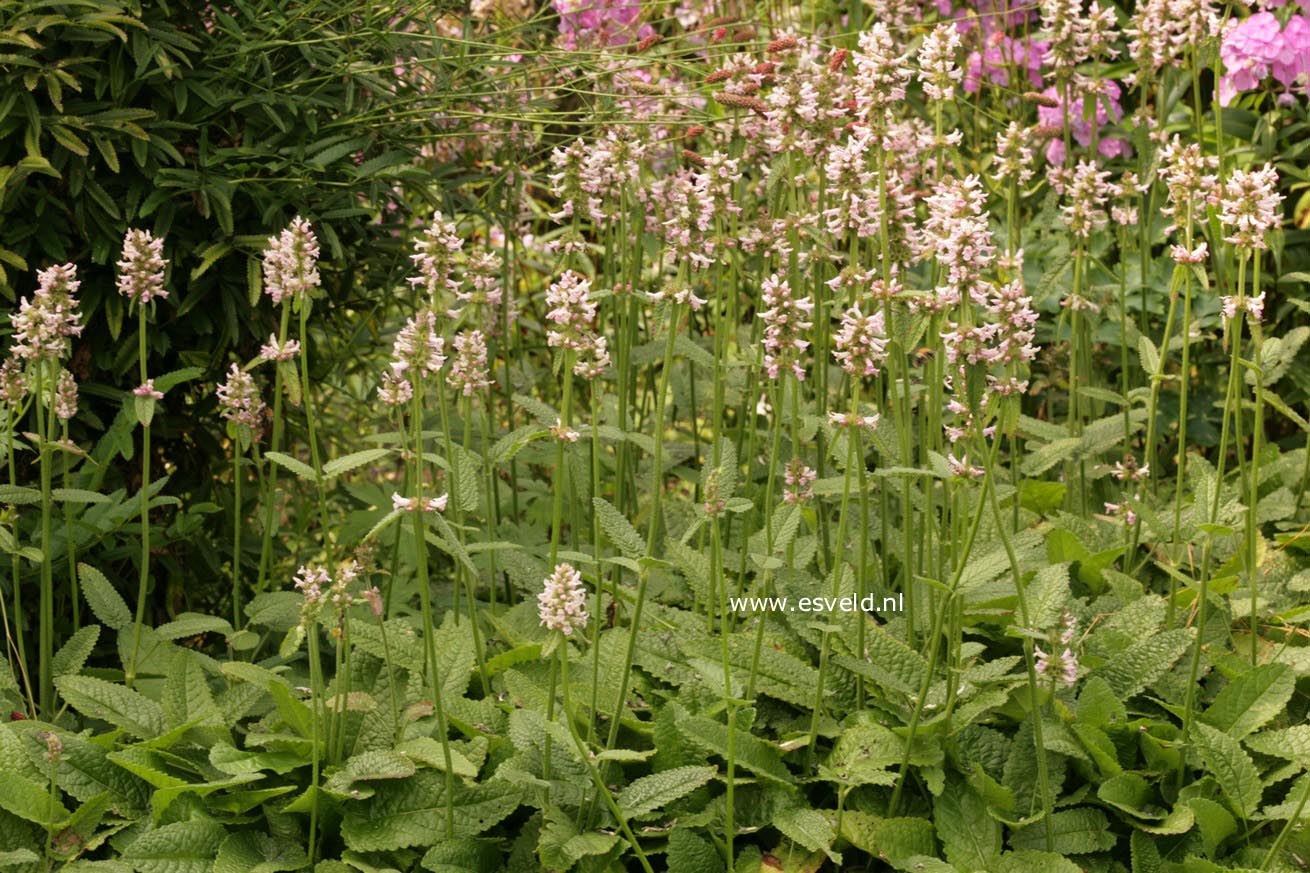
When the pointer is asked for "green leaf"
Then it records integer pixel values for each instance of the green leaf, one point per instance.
(690, 853)
(1292, 744)
(77, 495)
(1078, 831)
(173, 378)
(1028, 861)
(18, 858)
(464, 856)
(104, 600)
(753, 753)
(890, 663)
(19, 495)
(428, 751)
(896, 839)
(182, 847)
(251, 852)
(30, 800)
(620, 531)
(1133, 670)
(368, 766)
(1248, 702)
(649, 793)
(409, 812)
(971, 838)
(809, 828)
(1213, 821)
(1231, 767)
(1148, 355)
(73, 654)
(190, 624)
(120, 706)
(354, 460)
(300, 468)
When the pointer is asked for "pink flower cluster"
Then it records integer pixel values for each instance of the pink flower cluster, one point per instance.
(562, 603)
(239, 401)
(1259, 47)
(141, 271)
(1079, 126)
(573, 314)
(785, 327)
(44, 326)
(860, 344)
(291, 263)
(599, 24)
(993, 63)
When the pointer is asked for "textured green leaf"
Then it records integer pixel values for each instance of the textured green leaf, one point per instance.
(190, 624)
(619, 530)
(1248, 702)
(753, 753)
(116, 704)
(896, 839)
(690, 853)
(1231, 767)
(73, 654)
(30, 800)
(104, 601)
(809, 828)
(1078, 831)
(352, 461)
(428, 751)
(296, 466)
(181, 847)
(77, 495)
(18, 858)
(1028, 861)
(658, 790)
(890, 663)
(1132, 671)
(1213, 821)
(971, 838)
(411, 812)
(368, 766)
(19, 495)
(1292, 744)
(251, 852)
(464, 856)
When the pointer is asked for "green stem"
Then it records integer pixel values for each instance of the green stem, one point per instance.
(275, 444)
(144, 579)
(425, 603)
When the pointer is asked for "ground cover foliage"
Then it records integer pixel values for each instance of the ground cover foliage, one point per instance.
(651, 437)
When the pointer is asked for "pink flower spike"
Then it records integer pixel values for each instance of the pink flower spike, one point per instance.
(147, 389)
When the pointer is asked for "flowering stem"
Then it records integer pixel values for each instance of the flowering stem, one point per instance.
(657, 488)
(425, 603)
(45, 427)
(70, 546)
(1253, 498)
(317, 464)
(730, 704)
(16, 642)
(934, 644)
(275, 444)
(145, 506)
(1203, 594)
(838, 569)
(316, 698)
(1025, 617)
(585, 756)
(1185, 378)
(566, 417)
